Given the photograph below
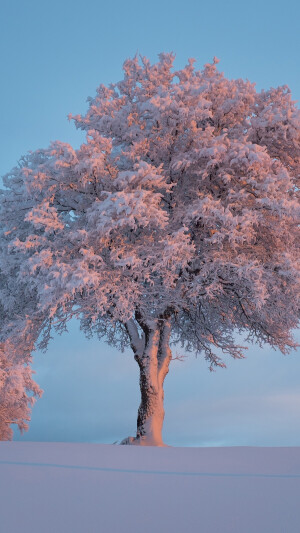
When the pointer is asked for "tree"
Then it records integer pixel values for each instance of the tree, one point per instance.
(17, 392)
(176, 221)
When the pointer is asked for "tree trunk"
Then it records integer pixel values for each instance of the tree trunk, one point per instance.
(154, 365)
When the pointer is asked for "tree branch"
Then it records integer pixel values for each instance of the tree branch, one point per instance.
(136, 342)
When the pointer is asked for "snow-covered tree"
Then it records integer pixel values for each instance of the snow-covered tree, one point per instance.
(19, 331)
(177, 221)
(18, 391)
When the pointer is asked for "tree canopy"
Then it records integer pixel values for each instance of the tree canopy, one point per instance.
(178, 214)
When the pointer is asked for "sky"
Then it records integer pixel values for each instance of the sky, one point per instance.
(53, 56)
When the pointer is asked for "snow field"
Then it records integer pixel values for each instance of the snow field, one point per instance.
(95, 488)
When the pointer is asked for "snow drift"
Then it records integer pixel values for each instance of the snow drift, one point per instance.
(76, 488)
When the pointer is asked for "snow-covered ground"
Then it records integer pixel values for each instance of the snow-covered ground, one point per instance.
(89, 488)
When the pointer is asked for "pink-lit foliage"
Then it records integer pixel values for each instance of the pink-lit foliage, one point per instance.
(18, 390)
(177, 220)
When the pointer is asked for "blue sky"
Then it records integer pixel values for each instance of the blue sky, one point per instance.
(54, 55)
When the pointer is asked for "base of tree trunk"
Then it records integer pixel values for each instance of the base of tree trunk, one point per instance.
(142, 441)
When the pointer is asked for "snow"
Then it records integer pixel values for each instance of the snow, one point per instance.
(76, 488)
